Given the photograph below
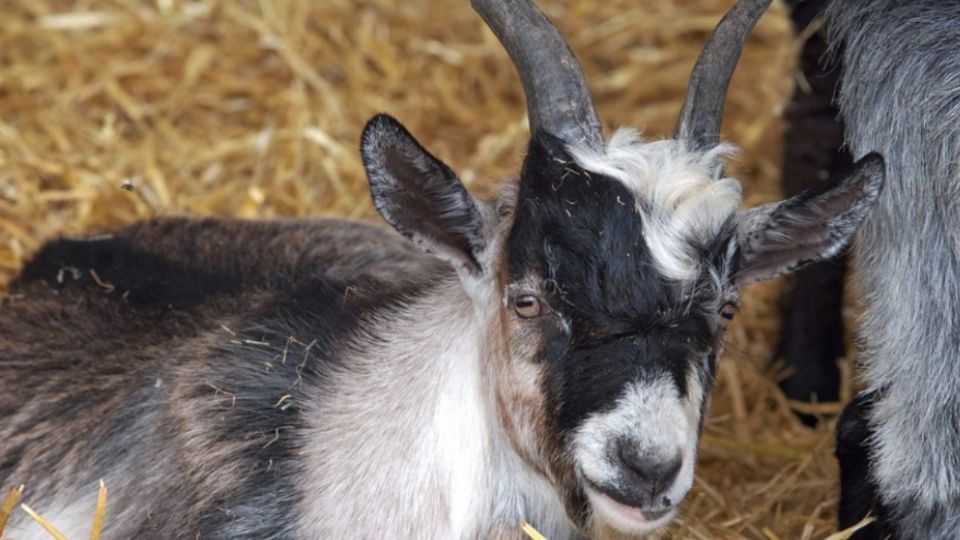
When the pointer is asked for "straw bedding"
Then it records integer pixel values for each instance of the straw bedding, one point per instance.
(118, 110)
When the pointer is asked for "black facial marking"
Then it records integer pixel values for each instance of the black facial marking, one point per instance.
(580, 233)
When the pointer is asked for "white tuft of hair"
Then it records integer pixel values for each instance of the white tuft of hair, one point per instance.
(681, 194)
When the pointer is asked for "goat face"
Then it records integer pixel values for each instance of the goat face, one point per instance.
(601, 278)
(624, 253)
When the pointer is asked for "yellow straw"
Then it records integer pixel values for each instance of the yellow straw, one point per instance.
(12, 499)
(847, 533)
(531, 532)
(47, 526)
(101, 510)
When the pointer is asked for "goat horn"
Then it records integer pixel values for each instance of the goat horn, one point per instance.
(558, 99)
(702, 112)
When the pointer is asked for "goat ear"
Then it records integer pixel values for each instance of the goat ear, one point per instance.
(780, 238)
(420, 196)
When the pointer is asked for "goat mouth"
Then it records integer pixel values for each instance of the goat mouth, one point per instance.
(625, 517)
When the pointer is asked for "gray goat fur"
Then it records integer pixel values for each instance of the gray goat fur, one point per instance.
(900, 96)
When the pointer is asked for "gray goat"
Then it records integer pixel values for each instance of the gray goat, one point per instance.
(899, 442)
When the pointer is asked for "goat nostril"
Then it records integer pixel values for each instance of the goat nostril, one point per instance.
(656, 474)
(671, 469)
(632, 460)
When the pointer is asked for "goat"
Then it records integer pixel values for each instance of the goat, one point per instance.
(898, 442)
(547, 356)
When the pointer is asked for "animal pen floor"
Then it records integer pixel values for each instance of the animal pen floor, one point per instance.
(113, 111)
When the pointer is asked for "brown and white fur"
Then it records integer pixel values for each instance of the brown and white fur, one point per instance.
(323, 379)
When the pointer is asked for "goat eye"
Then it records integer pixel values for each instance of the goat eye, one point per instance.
(528, 306)
(727, 311)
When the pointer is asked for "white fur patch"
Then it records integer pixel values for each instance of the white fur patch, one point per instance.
(73, 519)
(407, 443)
(683, 202)
(659, 422)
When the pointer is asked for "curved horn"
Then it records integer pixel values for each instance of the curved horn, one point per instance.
(702, 112)
(558, 99)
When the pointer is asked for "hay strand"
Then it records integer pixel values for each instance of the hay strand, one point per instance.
(100, 512)
(9, 503)
(42, 521)
(531, 532)
(847, 533)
